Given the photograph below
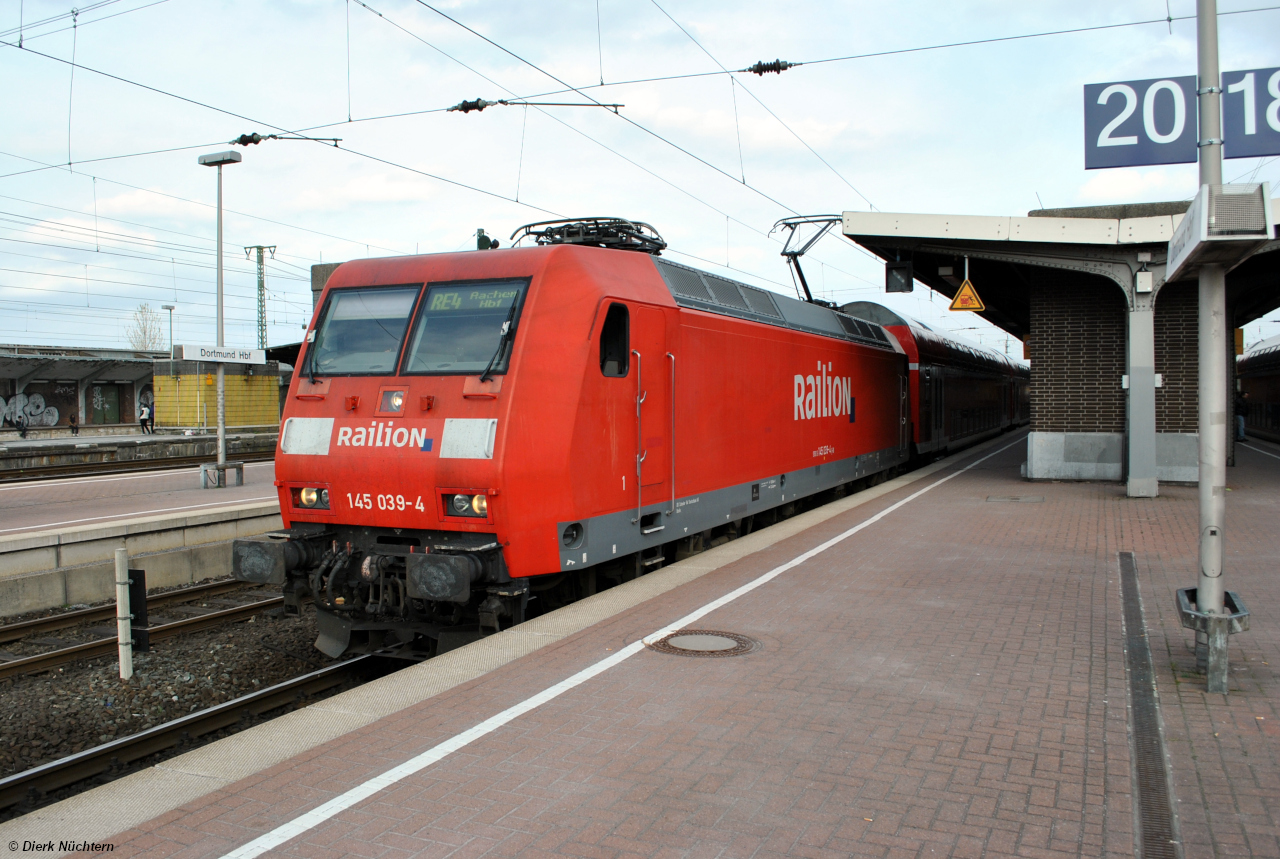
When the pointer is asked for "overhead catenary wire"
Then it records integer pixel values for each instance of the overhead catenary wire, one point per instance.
(674, 77)
(674, 185)
(1078, 30)
(205, 205)
(24, 26)
(28, 222)
(136, 256)
(45, 167)
(595, 101)
(598, 103)
(760, 102)
(108, 218)
(71, 87)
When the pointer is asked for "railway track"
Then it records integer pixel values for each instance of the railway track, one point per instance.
(107, 646)
(91, 469)
(15, 631)
(113, 757)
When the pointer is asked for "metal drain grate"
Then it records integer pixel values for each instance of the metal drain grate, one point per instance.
(1158, 835)
(705, 642)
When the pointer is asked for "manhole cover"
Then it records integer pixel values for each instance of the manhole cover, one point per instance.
(705, 642)
(1017, 499)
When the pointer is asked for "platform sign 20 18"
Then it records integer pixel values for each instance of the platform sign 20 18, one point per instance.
(1251, 113)
(1140, 122)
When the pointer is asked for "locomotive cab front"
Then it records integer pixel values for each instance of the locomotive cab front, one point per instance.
(388, 464)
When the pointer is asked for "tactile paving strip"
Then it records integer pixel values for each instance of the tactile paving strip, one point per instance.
(1155, 811)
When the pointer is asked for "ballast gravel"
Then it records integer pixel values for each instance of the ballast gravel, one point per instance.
(83, 704)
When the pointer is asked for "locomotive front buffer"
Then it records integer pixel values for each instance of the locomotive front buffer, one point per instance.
(378, 588)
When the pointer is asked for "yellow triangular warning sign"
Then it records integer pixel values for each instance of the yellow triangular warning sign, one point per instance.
(967, 298)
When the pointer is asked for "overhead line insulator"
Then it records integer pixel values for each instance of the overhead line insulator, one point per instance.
(777, 67)
(477, 104)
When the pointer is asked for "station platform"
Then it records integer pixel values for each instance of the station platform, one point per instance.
(58, 537)
(77, 501)
(64, 454)
(939, 669)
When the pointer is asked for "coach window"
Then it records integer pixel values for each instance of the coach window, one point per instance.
(615, 342)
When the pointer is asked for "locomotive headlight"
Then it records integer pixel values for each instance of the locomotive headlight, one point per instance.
(311, 497)
(472, 506)
(392, 401)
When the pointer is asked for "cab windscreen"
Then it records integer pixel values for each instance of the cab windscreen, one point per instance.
(464, 329)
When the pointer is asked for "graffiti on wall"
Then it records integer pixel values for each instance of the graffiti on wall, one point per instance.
(33, 408)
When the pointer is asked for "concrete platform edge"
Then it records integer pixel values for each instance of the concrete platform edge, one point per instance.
(46, 569)
(123, 804)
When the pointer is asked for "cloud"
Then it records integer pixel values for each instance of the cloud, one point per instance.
(1135, 185)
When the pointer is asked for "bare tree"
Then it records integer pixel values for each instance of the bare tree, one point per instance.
(145, 334)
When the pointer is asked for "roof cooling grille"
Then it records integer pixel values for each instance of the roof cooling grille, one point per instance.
(760, 302)
(708, 292)
(726, 293)
(686, 282)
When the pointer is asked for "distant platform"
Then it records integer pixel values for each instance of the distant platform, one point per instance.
(86, 455)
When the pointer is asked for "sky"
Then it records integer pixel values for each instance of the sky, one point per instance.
(711, 159)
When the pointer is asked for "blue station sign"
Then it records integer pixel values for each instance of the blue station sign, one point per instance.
(1135, 123)
(1251, 113)
(1129, 123)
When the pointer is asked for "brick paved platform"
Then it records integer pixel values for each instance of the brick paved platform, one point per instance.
(948, 681)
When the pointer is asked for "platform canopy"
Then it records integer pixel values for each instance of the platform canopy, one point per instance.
(36, 363)
(1004, 253)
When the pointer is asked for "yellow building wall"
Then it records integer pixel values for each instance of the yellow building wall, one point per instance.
(192, 400)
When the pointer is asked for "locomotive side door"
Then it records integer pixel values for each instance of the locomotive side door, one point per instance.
(654, 371)
(904, 411)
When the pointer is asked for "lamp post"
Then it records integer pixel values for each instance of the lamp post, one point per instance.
(217, 159)
(168, 307)
(1214, 406)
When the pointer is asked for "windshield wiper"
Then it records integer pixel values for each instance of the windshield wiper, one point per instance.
(311, 358)
(503, 339)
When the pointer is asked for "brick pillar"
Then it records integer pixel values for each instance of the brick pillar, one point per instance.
(1077, 351)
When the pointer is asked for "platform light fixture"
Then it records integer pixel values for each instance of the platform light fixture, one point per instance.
(217, 159)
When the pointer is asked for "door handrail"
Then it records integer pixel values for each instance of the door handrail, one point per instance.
(641, 453)
(672, 395)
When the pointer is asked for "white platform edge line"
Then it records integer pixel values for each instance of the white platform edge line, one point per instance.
(50, 525)
(311, 819)
(1257, 450)
(150, 474)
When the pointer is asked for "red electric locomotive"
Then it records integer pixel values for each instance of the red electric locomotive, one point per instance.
(469, 431)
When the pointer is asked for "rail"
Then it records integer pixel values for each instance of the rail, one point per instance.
(14, 631)
(93, 762)
(106, 646)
